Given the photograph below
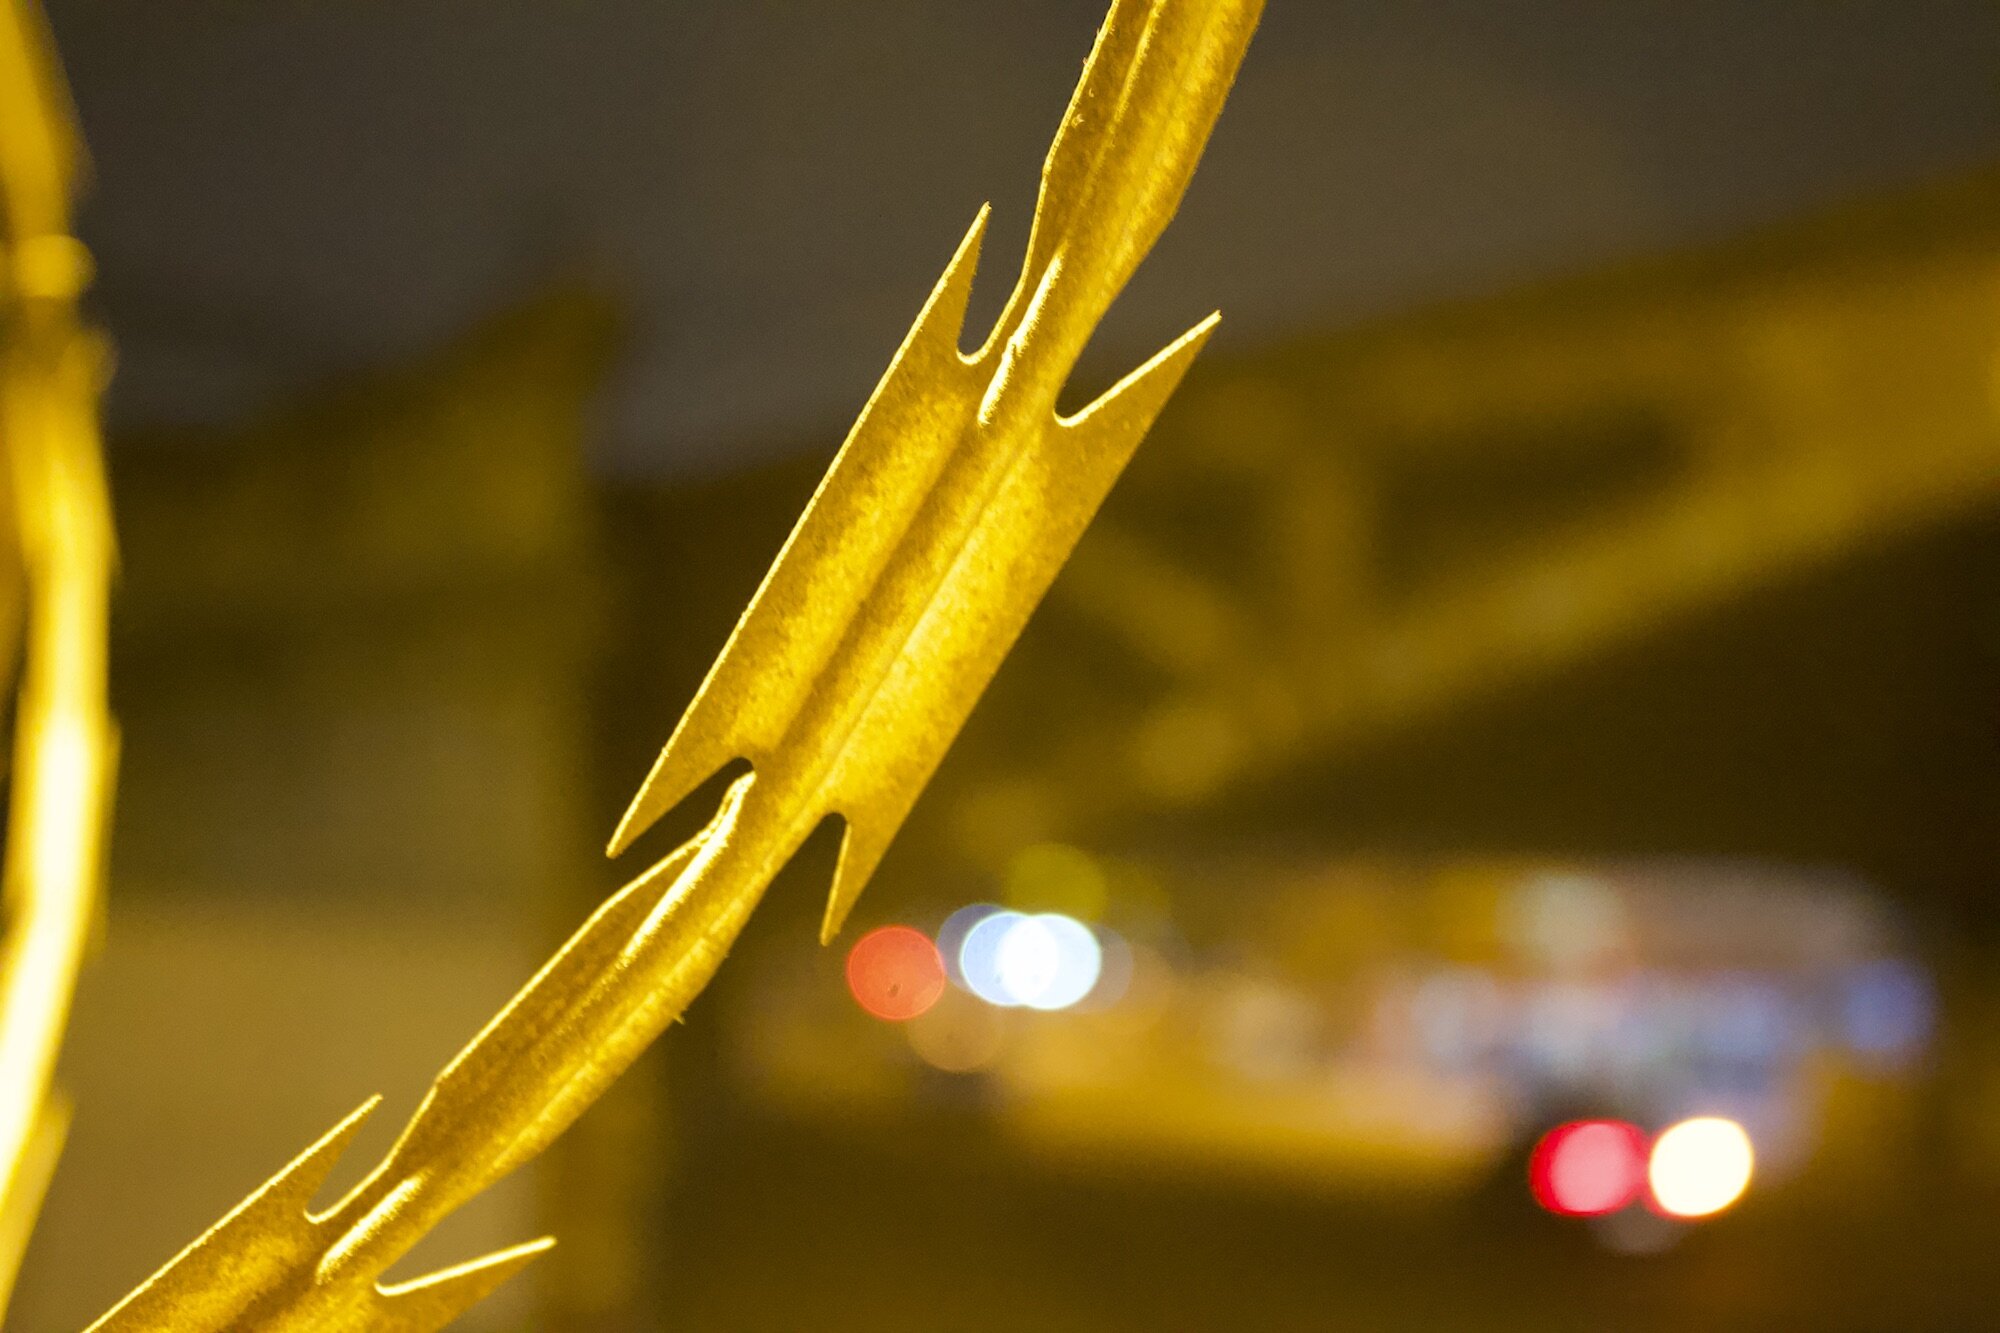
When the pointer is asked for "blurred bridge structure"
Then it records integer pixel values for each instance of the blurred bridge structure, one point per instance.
(1345, 535)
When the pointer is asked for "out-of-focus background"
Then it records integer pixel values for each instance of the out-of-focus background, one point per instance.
(1541, 672)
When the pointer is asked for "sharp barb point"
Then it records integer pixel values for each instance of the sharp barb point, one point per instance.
(429, 1303)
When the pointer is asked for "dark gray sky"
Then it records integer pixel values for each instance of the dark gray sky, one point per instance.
(286, 192)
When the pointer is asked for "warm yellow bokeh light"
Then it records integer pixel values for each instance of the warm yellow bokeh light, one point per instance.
(1700, 1166)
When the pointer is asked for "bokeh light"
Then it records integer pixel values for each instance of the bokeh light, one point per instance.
(979, 957)
(1588, 1167)
(951, 936)
(1028, 960)
(1048, 961)
(895, 973)
(1079, 961)
(1700, 1166)
(1045, 961)
(1055, 877)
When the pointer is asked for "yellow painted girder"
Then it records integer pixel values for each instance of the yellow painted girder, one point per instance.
(1825, 396)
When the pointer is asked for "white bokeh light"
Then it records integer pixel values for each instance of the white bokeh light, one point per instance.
(1700, 1166)
(979, 957)
(1029, 960)
(1079, 961)
(1046, 961)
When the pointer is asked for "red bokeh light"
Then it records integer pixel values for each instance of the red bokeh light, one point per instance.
(895, 973)
(1588, 1167)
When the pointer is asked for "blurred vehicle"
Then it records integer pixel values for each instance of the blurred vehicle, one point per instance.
(1378, 1026)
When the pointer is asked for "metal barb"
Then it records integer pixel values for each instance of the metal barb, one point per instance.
(956, 498)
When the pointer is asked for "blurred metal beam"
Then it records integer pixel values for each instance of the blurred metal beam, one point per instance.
(1737, 416)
